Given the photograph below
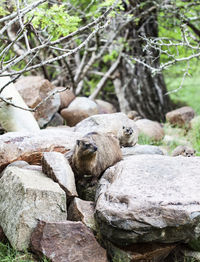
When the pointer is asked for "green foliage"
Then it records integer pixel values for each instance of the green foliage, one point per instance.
(110, 56)
(8, 254)
(3, 11)
(189, 94)
(146, 140)
(55, 19)
(194, 135)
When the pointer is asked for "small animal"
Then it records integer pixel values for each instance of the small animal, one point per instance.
(128, 136)
(133, 115)
(94, 153)
(184, 151)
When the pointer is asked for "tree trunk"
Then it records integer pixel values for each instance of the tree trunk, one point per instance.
(143, 91)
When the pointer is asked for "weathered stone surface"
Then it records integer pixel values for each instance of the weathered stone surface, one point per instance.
(66, 242)
(150, 198)
(181, 116)
(105, 123)
(30, 146)
(56, 120)
(33, 167)
(105, 107)
(141, 150)
(142, 252)
(81, 210)
(19, 163)
(14, 119)
(57, 167)
(150, 128)
(34, 89)
(25, 197)
(66, 98)
(79, 109)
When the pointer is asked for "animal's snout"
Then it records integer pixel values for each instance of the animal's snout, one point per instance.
(95, 148)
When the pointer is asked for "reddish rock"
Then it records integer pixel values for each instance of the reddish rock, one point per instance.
(34, 89)
(150, 128)
(79, 109)
(181, 116)
(66, 97)
(66, 242)
(30, 146)
(105, 107)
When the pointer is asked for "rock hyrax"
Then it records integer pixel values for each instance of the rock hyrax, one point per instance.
(128, 136)
(94, 153)
(184, 151)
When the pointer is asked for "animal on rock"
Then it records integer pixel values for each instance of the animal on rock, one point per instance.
(128, 136)
(133, 115)
(184, 151)
(94, 153)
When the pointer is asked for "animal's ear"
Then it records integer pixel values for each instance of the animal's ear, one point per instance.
(195, 151)
(78, 142)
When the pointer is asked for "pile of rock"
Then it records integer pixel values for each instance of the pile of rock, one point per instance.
(144, 206)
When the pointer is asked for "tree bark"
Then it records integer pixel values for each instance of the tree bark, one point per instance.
(143, 91)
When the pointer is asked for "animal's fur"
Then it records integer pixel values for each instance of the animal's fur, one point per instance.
(128, 136)
(94, 153)
(12, 118)
(184, 151)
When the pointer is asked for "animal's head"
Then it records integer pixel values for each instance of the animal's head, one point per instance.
(86, 147)
(128, 131)
(189, 152)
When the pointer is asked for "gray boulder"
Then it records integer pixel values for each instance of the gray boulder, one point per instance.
(141, 150)
(27, 196)
(148, 198)
(151, 129)
(81, 210)
(56, 166)
(105, 123)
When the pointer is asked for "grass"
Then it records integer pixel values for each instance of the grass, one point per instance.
(189, 94)
(8, 254)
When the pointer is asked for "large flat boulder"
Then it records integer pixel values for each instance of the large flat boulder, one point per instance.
(66, 242)
(105, 123)
(141, 150)
(27, 196)
(30, 146)
(148, 198)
